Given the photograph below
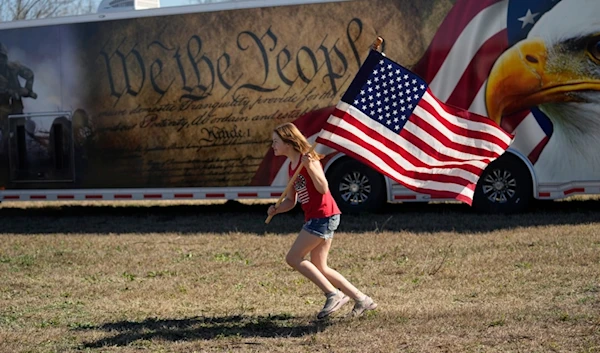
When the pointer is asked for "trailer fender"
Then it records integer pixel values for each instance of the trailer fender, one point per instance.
(507, 185)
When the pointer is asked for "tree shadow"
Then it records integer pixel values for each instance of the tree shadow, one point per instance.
(235, 217)
(205, 328)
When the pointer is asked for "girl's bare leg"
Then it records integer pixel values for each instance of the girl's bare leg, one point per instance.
(318, 257)
(305, 243)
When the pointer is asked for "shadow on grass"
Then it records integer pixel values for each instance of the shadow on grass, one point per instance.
(204, 328)
(235, 217)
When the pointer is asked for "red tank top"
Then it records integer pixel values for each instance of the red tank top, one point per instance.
(314, 204)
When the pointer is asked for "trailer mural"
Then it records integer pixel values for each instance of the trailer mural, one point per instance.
(190, 100)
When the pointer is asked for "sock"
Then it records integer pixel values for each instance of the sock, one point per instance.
(332, 293)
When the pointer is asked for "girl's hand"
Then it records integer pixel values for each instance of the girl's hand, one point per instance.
(306, 160)
(272, 210)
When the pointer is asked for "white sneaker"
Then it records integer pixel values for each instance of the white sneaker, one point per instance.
(334, 302)
(362, 306)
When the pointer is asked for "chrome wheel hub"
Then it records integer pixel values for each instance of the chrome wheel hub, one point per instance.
(499, 186)
(355, 188)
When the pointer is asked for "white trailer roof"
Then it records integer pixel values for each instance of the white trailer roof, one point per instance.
(165, 11)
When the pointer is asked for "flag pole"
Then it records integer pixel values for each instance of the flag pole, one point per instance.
(290, 183)
(377, 43)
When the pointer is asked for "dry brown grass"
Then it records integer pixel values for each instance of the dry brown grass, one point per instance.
(196, 277)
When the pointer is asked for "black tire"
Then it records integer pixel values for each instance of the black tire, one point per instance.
(504, 187)
(355, 187)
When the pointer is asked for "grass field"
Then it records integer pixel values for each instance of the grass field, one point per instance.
(167, 277)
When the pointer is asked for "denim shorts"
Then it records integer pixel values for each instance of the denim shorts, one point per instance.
(322, 227)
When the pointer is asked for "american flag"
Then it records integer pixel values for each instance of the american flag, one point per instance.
(389, 120)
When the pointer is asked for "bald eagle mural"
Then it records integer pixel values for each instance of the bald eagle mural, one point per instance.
(556, 68)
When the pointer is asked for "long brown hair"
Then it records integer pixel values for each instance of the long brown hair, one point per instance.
(290, 134)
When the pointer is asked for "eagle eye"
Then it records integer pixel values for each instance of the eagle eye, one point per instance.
(594, 48)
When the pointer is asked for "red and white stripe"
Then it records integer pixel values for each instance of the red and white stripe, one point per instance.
(413, 157)
(142, 194)
(399, 194)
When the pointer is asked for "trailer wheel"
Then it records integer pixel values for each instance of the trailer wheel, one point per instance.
(504, 187)
(356, 187)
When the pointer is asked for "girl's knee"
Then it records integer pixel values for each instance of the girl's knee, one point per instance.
(320, 266)
(292, 260)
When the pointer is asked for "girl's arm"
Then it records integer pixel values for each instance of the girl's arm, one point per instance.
(315, 170)
(287, 204)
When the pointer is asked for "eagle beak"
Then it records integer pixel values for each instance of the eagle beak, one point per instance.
(524, 77)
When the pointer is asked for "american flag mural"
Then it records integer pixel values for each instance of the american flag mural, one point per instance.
(456, 65)
(463, 51)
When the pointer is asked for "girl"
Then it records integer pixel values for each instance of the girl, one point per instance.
(322, 218)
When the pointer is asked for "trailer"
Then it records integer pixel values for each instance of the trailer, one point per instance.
(179, 103)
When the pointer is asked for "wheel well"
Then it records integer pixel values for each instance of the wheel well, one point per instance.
(340, 159)
(518, 157)
(332, 161)
(514, 190)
